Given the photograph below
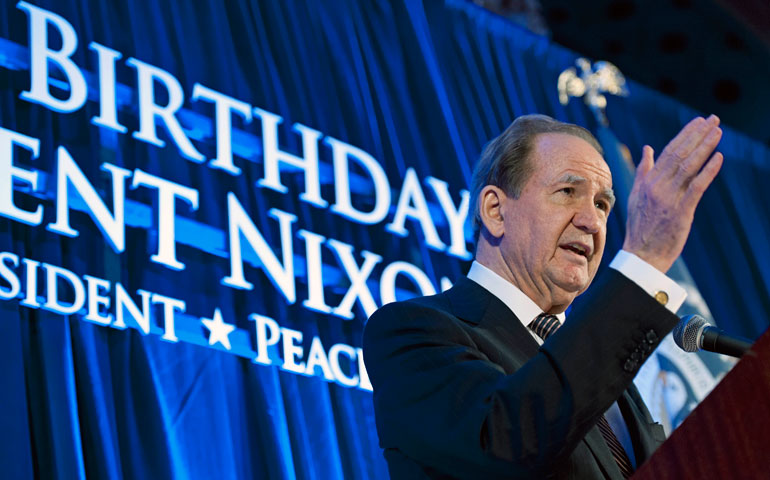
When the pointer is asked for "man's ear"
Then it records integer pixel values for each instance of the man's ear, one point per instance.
(491, 209)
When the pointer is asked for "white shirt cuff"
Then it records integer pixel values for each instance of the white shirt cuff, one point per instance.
(650, 279)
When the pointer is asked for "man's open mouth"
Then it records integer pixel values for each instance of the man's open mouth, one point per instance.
(577, 247)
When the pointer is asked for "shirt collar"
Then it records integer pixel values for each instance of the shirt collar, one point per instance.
(521, 305)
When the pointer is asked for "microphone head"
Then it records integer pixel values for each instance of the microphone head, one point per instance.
(687, 334)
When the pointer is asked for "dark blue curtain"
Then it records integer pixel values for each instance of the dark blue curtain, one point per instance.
(416, 84)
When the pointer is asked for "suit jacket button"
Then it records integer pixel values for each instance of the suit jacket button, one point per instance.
(651, 336)
(629, 365)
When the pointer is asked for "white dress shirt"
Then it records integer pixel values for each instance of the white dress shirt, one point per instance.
(525, 309)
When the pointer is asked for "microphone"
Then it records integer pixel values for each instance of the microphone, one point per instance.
(694, 333)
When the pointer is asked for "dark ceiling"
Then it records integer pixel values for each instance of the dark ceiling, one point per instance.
(713, 55)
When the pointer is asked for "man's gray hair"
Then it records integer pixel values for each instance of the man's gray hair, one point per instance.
(505, 161)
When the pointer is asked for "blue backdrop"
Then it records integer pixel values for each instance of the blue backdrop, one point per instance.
(415, 84)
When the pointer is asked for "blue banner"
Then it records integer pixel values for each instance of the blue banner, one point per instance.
(201, 204)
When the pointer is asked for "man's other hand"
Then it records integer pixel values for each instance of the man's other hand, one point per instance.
(662, 202)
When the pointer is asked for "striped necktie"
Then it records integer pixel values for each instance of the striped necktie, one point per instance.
(545, 325)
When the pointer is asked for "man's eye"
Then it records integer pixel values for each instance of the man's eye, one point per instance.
(602, 205)
(567, 190)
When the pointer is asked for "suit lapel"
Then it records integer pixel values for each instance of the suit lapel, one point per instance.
(476, 305)
(646, 435)
(598, 446)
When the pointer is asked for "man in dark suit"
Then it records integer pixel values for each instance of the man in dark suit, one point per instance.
(474, 383)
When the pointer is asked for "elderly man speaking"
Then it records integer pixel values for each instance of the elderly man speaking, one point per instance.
(488, 379)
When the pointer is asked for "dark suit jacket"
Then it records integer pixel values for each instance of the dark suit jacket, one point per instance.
(462, 390)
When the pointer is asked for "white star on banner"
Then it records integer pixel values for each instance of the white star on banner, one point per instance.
(219, 330)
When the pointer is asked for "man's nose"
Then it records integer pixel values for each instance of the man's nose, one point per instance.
(587, 218)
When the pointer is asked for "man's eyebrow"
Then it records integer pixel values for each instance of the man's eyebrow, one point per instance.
(573, 179)
(610, 196)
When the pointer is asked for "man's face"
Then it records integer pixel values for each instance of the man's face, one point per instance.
(555, 231)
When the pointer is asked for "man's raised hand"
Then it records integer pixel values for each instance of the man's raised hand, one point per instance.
(662, 202)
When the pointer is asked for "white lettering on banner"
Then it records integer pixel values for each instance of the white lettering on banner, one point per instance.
(53, 302)
(281, 345)
(391, 272)
(7, 274)
(92, 295)
(69, 178)
(292, 348)
(455, 216)
(112, 226)
(316, 357)
(341, 153)
(96, 300)
(149, 110)
(225, 106)
(30, 300)
(334, 364)
(365, 384)
(124, 303)
(314, 269)
(274, 156)
(358, 290)
(361, 188)
(168, 192)
(282, 275)
(41, 55)
(268, 333)
(108, 105)
(9, 172)
(104, 303)
(170, 307)
(412, 203)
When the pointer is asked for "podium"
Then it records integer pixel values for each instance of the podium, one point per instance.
(728, 435)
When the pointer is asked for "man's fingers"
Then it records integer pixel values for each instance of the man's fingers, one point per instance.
(644, 167)
(693, 163)
(683, 134)
(702, 181)
(647, 161)
(694, 127)
(687, 141)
